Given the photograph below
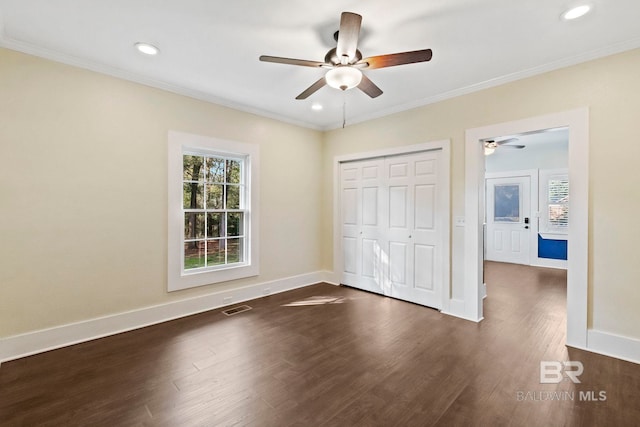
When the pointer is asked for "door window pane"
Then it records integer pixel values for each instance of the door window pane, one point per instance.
(506, 203)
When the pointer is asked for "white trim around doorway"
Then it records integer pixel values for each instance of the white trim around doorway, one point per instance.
(578, 250)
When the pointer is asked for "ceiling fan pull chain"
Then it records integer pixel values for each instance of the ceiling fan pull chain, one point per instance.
(344, 109)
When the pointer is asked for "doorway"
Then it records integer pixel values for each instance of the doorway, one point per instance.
(532, 179)
(577, 122)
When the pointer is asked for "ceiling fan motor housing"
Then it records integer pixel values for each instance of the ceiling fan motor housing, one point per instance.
(332, 57)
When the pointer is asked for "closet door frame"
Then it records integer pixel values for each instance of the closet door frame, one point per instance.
(444, 174)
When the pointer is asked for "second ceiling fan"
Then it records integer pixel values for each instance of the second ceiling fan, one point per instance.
(345, 61)
(490, 145)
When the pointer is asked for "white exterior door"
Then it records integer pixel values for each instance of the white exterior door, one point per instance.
(508, 221)
(392, 233)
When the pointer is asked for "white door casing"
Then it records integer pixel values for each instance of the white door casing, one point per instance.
(509, 220)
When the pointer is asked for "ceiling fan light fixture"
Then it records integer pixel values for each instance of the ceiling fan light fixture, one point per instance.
(343, 77)
(576, 12)
(146, 48)
(490, 147)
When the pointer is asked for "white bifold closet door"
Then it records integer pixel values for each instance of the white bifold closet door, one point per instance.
(392, 237)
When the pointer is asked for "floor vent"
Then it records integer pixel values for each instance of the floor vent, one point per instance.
(236, 310)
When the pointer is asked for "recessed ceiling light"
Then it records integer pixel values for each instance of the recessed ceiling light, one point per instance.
(576, 12)
(316, 107)
(146, 48)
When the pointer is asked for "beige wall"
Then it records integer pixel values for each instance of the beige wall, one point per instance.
(83, 193)
(83, 184)
(610, 87)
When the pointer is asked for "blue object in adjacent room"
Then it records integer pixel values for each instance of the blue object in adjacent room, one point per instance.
(553, 249)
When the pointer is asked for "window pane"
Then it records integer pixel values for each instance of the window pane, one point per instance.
(215, 224)
(215, 169)
(192, 196)
(506, 203)
(193, 255)
(233, 197)
(559, 215)
(558, 191)
(233, 171)
(235, 224)
(193, 225)
(214, 196)
(235, 251)
(192, 168)
(215, 252)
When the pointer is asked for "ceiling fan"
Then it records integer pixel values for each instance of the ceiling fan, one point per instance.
(345, 61)
(490, 145)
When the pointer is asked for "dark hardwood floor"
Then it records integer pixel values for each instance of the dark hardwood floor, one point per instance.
(349, 359)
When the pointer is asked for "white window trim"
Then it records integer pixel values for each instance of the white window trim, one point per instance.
(547, 232)
(180, 143)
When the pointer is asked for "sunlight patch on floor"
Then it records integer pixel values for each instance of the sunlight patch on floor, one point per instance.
(316, 301)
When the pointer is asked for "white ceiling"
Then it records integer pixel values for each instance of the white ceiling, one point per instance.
(210, 48)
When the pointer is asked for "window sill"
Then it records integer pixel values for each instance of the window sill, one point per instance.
(554, 236)
(208, 277)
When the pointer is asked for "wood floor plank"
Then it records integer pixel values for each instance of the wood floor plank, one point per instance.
(332, 356)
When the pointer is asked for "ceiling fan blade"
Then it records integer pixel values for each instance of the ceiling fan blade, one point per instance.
(506, 141)
(291, 61)
(348, 35)
(512, 146)
(393, 59)
(368, 87)
(312, 89)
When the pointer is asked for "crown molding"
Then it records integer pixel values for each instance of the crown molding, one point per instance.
(31, 49)
(498, 81)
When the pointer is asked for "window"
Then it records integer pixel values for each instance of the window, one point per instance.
(212, 210)
(506, 201)
(554, 203)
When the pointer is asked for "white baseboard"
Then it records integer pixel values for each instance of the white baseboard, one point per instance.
(331, 278)
(617, 346)
(457, 309)
(30, 343)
